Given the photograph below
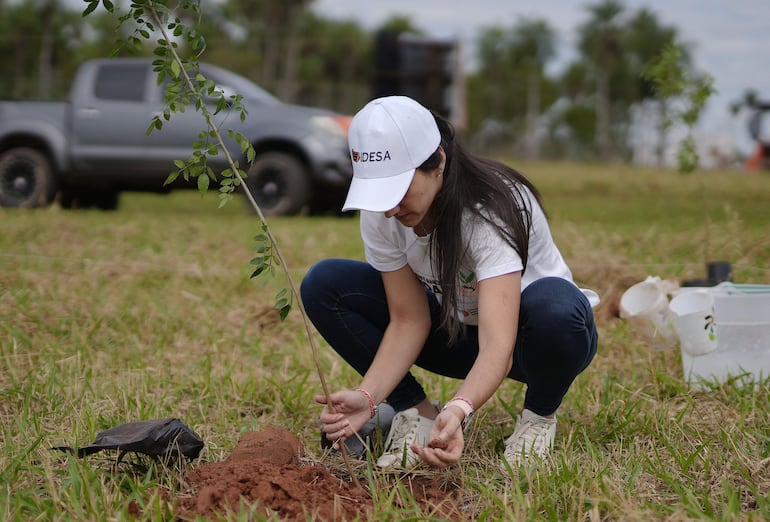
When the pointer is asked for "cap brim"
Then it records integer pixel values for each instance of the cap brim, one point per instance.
(377, 194)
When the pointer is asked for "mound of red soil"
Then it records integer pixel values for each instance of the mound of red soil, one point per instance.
(264, 468)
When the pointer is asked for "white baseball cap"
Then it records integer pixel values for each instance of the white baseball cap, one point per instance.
(389, 138)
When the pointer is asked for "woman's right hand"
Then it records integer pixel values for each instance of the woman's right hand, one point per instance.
(351, 412)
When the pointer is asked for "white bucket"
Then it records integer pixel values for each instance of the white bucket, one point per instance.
(742, 313)
(695, 322)
(645, 307)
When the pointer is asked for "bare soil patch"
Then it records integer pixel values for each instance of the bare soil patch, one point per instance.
(265, 468)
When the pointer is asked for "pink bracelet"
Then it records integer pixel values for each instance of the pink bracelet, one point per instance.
(467, 405)
(372, 410)
(466, 401)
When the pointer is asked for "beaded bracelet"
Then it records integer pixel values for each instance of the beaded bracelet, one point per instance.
(372, 410)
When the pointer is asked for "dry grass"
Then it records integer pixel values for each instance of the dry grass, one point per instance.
(149, 312)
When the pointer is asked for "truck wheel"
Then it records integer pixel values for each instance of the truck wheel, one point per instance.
(26, 178)
(279, 184)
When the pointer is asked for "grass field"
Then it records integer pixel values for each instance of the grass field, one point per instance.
(149, 312)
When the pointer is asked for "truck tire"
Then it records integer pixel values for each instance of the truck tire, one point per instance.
(279, 184)
(26, 178)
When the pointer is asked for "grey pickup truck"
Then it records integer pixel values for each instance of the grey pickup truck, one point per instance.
(86, 151)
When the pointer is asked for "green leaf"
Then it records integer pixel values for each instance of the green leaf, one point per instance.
(175, 69)
(285, 312)
(257, 272)
(171, 177)
(179, 164)
(282, 303)
(203, 185)
(281, 293)
(90, 8)
(251, 154)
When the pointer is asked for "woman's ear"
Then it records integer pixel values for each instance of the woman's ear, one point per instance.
(442, 163)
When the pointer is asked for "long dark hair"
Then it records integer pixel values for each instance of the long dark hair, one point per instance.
(487, 189)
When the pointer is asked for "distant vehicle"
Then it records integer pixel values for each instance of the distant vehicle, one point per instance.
(88, 150)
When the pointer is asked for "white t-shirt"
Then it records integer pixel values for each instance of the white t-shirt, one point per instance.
(389, 246)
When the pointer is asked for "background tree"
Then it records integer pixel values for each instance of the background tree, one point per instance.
(532, 47)
(674, 80)
(302, 57)
(601, 46)
(334, 58)
(510, 90)
(573, 128)
(38, 39)
(646, 39)
(486, 96)
(271, 29)
(616, 46)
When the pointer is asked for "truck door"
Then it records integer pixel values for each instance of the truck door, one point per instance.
(110, 117)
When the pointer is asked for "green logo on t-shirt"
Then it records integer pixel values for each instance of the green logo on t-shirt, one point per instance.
(467, 278)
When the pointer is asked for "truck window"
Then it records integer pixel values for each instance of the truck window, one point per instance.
(121, 81)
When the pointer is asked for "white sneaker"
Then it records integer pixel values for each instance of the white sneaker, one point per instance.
(380, 422)
(408, 427)
(532, 439)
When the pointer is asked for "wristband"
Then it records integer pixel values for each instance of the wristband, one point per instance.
(465, 405)
(372, 409)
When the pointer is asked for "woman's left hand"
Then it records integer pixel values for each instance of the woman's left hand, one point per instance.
(446, 442)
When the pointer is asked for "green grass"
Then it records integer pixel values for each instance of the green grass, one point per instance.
(149, 312)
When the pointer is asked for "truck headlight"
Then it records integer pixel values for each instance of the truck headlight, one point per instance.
(336, 125)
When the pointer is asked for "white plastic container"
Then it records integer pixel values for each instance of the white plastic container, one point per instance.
(694, 321)
(742, 316)
(645, 307)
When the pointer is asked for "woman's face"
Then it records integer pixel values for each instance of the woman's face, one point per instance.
(413, 208)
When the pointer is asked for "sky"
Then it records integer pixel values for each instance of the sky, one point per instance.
(729, 39)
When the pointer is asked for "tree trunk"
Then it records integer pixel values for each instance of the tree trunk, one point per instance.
(660, 150)
(603, 114)
(289, 78)
(532, 145)
(19, 69)
(271, 43)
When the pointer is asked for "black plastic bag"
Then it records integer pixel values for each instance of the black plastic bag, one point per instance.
(158, 438)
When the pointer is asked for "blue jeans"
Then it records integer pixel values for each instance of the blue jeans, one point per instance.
(556, 337)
